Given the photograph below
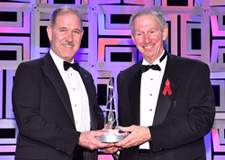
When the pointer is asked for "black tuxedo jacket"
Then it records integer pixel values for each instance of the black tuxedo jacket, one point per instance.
(43, 112)
(181, 120)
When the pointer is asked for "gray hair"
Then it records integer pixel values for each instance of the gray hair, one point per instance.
(64, 10)
(146, 11)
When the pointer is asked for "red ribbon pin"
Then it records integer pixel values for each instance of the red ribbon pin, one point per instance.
(167, 88)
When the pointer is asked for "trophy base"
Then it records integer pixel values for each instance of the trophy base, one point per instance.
(111, 137)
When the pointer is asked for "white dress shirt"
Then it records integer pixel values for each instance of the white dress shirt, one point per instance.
(150, 85)
(77, 94)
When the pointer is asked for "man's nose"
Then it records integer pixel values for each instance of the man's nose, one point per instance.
(69, 36)
(147, 38)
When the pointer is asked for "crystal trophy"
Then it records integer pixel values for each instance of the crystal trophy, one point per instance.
(111, 132)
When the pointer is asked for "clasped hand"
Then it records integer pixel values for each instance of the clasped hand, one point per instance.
(88, 139)
(137, 135)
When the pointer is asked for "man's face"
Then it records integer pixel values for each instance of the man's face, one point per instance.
(66, 36)
(148, 36)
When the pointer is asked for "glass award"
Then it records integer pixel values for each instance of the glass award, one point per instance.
(111, 132)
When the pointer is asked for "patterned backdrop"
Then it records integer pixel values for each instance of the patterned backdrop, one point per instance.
(196, 30)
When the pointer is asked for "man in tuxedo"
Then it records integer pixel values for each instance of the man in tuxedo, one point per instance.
(165, 102)
(54, 101)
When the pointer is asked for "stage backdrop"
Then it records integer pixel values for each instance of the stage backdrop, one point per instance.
(196, 30)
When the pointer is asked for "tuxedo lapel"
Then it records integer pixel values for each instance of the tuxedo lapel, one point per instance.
(134, 94)
(91, 94)
(53, 75)
(164, 99)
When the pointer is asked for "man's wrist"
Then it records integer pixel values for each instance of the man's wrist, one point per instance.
(150, 139)
(78, 139)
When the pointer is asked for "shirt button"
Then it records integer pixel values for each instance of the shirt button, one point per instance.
(150, 94)
(76, 121)
(150, 109)
(151, 79)
(74, 89)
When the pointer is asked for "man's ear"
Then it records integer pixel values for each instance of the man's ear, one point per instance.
(49, 32)
(132, 36)
(165, 33)
(82, 33)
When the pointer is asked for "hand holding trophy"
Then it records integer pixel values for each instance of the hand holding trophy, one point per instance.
(111, 132)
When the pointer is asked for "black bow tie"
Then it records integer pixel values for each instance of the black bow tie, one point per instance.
(67, 65)
(145, 68)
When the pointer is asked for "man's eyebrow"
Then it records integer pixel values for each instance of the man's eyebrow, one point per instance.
(62, 27)
(77, 29)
